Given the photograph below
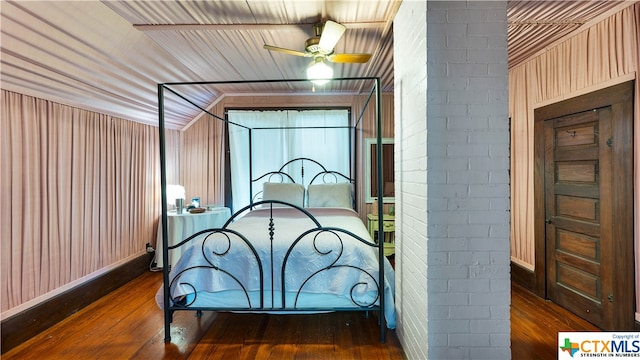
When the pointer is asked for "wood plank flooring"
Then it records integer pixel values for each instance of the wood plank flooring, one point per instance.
(535, 324)
(127, 324)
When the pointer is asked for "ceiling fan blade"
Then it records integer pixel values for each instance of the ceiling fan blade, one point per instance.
(286, 51)
(331, 33)
(349, 58)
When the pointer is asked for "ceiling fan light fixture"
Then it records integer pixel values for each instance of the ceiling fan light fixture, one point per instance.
(319, 72)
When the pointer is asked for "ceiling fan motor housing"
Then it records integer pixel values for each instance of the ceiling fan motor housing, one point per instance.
(311, 45)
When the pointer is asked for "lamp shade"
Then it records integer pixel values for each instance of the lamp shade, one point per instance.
(174, 192)
(319, 72)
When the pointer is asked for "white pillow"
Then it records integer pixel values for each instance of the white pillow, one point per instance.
(330, 195)
(288, 192)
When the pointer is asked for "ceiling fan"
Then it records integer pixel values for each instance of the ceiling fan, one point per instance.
(321, 45)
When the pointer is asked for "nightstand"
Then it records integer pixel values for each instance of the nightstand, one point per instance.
(388, 228)
(181, 226)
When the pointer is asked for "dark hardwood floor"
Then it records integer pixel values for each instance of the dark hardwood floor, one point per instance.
(127, 324)
(535, 324)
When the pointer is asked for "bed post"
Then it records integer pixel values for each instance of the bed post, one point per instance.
(163, 190)
(380, 208)
(250, 168)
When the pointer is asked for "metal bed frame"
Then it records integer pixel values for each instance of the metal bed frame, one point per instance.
(235, 238)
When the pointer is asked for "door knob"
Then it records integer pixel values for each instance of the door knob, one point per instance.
(547, 220)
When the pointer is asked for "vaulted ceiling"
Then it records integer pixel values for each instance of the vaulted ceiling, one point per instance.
(109, 56)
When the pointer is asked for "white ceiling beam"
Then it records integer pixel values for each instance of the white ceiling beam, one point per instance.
(234, 27)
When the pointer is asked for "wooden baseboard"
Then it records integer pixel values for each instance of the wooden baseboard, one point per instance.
(523, 277)
(21, 327)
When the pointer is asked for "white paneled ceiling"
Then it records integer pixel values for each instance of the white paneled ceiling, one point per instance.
(109, 56)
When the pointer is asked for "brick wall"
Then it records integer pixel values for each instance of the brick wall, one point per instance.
(453, 195)
(410, 63)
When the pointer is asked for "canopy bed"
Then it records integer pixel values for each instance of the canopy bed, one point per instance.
(297, 247)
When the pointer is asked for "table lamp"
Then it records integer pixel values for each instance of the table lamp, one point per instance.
(175, 192)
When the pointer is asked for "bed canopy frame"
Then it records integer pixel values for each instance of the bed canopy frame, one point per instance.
(182, 98)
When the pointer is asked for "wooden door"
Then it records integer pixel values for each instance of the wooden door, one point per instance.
(584, 193)
(578, 258)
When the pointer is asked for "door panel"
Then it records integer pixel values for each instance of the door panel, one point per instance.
(577, 207)
(576, 278)
(583, 205)
(581, 245)
(577, 172)
(573, 209)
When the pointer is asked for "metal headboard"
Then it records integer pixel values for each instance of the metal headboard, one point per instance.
(284, 176)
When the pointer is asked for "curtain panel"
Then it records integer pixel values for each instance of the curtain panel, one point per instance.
(80, 192)
(279, 136)
(202, 159)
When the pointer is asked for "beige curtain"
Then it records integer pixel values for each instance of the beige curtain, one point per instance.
(600, 56)
(202, 159)
(79, 192)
